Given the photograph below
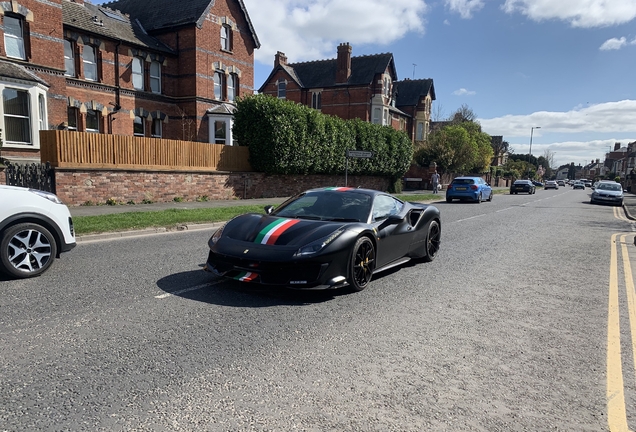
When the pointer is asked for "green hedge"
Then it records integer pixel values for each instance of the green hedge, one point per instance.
(288, 138)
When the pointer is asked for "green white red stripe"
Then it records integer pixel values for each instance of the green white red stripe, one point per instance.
(246, 276)
(271, 232)
(339, 189)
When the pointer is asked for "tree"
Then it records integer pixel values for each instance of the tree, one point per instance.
(437, 113)
(549, 157)
(464, 114)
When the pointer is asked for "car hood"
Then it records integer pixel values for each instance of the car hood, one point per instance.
(278, 231)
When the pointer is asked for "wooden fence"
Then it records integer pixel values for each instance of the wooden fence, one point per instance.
(69, 149)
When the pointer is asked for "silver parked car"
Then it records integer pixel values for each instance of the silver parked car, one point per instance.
(607, 192)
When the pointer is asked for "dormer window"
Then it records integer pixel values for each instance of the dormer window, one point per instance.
(14, 37)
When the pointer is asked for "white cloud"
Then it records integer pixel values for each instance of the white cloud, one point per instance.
(609, 117)
(579, 152)
(464, 92)
(579, 13)
(616, 44)
(312, 29)
(465, 8)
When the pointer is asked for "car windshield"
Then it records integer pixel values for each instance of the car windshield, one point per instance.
(347, 206)
(609, 186)
(461, 181)
(521, 182)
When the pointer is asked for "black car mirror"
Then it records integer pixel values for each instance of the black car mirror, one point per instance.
(269, 209)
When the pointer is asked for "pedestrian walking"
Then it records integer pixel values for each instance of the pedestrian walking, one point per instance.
(435, 181)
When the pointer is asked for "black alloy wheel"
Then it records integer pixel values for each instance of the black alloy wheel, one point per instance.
(27, 250)
(362, 264)
(433, 240)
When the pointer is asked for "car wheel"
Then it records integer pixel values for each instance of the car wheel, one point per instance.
(433, 239)
(490, 197)
(27, 250)
(478, 201)
(362, 264)
(449, 199)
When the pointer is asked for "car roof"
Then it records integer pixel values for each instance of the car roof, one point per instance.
(371, 192)
(466, 177)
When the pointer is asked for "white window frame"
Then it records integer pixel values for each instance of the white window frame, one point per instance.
(137, 75)
(229, 122)
(42, 120)
(419, 132)
(218, 84)
(155, 77)
(226, 37)
(34, 93)
(377, 115)
(385, 117)
(14, 37)
(69, 58)
(89, 65)
(316, 100)
(232, 81)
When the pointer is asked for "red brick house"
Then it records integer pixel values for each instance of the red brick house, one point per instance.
(168, 70)
(364, 87)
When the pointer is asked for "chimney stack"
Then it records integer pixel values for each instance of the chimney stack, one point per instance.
(280, 59)
(343, 63)
(617, 146)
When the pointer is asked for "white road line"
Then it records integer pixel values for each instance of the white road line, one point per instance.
(472, 217)
(185, 290)
(506, 209)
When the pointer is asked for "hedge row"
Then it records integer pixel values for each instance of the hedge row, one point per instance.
(288, 138)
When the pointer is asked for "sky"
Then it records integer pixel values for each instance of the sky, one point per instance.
(561, 71)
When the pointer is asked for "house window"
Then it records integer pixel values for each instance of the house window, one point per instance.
(226, 37)
(377, 115)
(155, 77)
(42, 112)
(218, 85)
(92, 121)
(219, 132)
(17, 116)
(232, 81)
(69, 58)
(14, 37)
(385, 119)
(419, 134)
(282, 88)
(138, 127)
(138, 73)
(157, 128)
(72, 118)
(316, 100)
(89, 58)
(386, 86)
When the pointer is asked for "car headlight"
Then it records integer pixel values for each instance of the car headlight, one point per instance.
(318, 245)
(216, 236)
(48, 195)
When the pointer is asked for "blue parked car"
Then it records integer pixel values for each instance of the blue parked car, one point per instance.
(469, 188)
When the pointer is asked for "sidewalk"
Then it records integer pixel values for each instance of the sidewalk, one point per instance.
(629, 204)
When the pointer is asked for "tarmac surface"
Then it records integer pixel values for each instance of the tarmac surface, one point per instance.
(629, 205)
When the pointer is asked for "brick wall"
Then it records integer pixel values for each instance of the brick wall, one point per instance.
(77, 187)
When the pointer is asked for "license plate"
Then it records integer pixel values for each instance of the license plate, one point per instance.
(461, 188)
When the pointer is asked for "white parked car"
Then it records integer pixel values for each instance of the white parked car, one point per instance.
(35, 228)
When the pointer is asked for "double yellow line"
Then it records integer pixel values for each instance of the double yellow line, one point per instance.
(616, 412)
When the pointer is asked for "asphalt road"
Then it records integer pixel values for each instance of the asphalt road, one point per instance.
(513, 327)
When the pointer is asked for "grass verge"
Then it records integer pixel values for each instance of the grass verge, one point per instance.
(174, 217)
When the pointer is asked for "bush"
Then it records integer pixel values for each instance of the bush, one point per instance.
(288, 138)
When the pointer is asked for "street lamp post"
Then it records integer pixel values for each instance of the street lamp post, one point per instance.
(530, 155)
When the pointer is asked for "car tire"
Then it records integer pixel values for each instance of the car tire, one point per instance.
(27, 250)
(361, 264)
(448, 200)
(478, 201)
(490, 197)
(433, 239)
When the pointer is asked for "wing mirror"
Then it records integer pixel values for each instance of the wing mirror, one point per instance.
(269, 209)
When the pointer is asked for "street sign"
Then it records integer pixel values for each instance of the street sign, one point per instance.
(359, 154)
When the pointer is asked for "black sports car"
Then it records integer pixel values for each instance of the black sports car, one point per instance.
(325, 238)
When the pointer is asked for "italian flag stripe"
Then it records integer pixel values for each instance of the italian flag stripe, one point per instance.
(246, 276)
(340, 189)
(271, 232)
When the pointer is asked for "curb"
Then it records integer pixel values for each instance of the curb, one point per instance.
(146, 231)
(627, 213)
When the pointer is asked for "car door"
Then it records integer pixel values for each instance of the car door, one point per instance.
(393, 239)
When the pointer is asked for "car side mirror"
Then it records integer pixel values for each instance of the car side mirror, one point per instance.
(269, 209)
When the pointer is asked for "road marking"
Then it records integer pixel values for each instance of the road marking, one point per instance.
(472, 217)
(631, 294)
(619, 214)
(616, 413)
(506, 209)
(185, 290)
